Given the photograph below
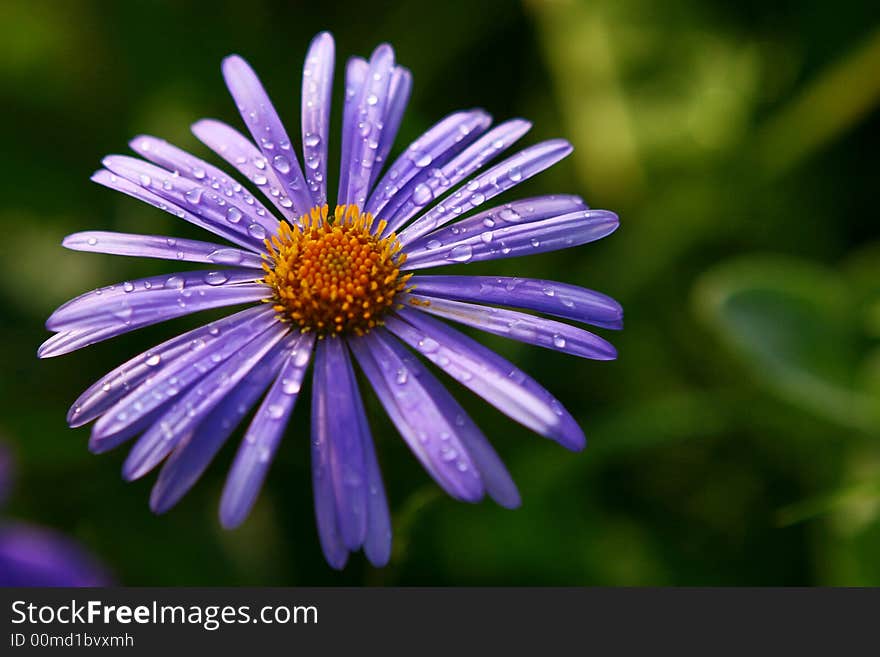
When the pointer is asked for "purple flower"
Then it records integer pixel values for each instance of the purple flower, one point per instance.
(37, 556)
(324, 285)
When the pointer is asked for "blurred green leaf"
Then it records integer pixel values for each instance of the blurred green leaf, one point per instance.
(797, 328)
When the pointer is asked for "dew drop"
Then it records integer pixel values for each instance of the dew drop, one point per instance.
(281, 163)
(225, 256)
(460, 253)
(233, 214)
(175, 282)
(216, 278)
(422, 194)
(194, 196)
(257, 231)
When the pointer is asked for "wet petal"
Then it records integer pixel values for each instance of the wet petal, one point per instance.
(267, 130)
(355, 76)
(398, 97)
(499, 178)
(193, 455)
(182, 418)
(317, 88)
(190, 167)
(238, 150)
(366, 127)
(510, 241)
(396, 377)
(162, 247)
(158, 298)
(422, 158)
(444, 178)
(487, 374)
(338, 439)
(518, 326)
(264, 434)
(232, 232)
(203, 355)
(210, 206)
(551, 297)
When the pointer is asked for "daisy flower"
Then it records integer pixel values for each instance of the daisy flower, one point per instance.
(330, 288)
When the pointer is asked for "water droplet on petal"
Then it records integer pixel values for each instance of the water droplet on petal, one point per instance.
(257, 231)
(216, 278)
(233, 214)
(422, 194)
(460, 253)
(281, 163)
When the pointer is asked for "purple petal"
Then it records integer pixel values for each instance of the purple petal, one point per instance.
(317, 88)
(238, 151)
(377, 545)
(322, 471)
(494, 475)
(190, 167)
(337, 428)
(422, 157)
(455, 170)
(492, 377)
(397, 379)
(115, 385)
(193, 455)
(264, 434)
(516, 240)
(367, 127)
(35, 556)
(551, 297)
(204, 202)
(355, 75)
(489, 184)
(398, 97)
(518, 326)
(67, 341)
(158, 298)
(521, 211)
(182, 418)
(267, 130)
(159, 246)
(232, 232)
(203, 354)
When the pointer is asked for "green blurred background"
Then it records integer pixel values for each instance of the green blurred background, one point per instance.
(735, 441)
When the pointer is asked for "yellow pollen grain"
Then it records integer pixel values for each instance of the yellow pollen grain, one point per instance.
(334, 275)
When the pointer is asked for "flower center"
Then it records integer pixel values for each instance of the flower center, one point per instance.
(334, 276)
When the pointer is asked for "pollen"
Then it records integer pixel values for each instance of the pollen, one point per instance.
(334, 274)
